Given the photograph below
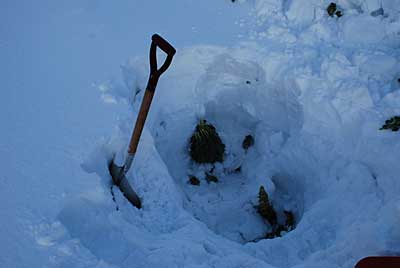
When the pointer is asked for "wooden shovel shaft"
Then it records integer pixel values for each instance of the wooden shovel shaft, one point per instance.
(141, 119)
(155, 73)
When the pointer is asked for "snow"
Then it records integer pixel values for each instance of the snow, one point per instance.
(312, 90)
(354, 30)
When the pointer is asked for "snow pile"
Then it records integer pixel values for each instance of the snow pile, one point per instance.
(313, 91)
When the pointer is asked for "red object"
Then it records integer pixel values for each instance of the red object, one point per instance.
(379, 262)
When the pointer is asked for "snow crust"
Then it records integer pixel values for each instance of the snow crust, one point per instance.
(313, 90)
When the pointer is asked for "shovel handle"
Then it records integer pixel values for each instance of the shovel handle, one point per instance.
(155, 73)
(163, 44)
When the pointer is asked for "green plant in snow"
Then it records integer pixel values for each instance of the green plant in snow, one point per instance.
(206, 145)
(265, 208)
(393, 124)
(332, 10)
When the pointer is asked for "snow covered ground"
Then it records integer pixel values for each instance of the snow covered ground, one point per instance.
(313, 90)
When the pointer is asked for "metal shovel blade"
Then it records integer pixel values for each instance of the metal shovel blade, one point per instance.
(119, 179)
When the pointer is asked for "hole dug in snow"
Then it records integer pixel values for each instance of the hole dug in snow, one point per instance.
(233, 120)
(217, 191)
(224, 196)
(221, 179)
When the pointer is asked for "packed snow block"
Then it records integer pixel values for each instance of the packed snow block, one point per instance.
(135, 74)
(206, 145)
(238, 108)
(338, 67)
(371, 5)
(302, 12)
(266, 9)
(391, 8)
(229, 75)
(232, 94)
(351, 96)
(135, 82)
(355, 178)
(285, 35)
(362, 6)
(391, 102)
(351, 101)
(275, 142)
(377, 64)
(113, 92)
(354, 30)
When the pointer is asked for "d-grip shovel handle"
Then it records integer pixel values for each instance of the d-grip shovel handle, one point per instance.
(157, 41)
(163, 44)
(155, 73)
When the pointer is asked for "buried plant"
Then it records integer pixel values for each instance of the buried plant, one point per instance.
(247, 142)
(279, 228)
(211, 178)
(267, 211)
(206, 145)
(265, 208)
(393, 124)
(332, 10)
(193, 180)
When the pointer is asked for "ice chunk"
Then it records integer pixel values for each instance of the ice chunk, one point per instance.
(363, 30)
(302, 12)
(378, 64)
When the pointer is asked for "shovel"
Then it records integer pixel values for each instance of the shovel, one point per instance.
(118, 173)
